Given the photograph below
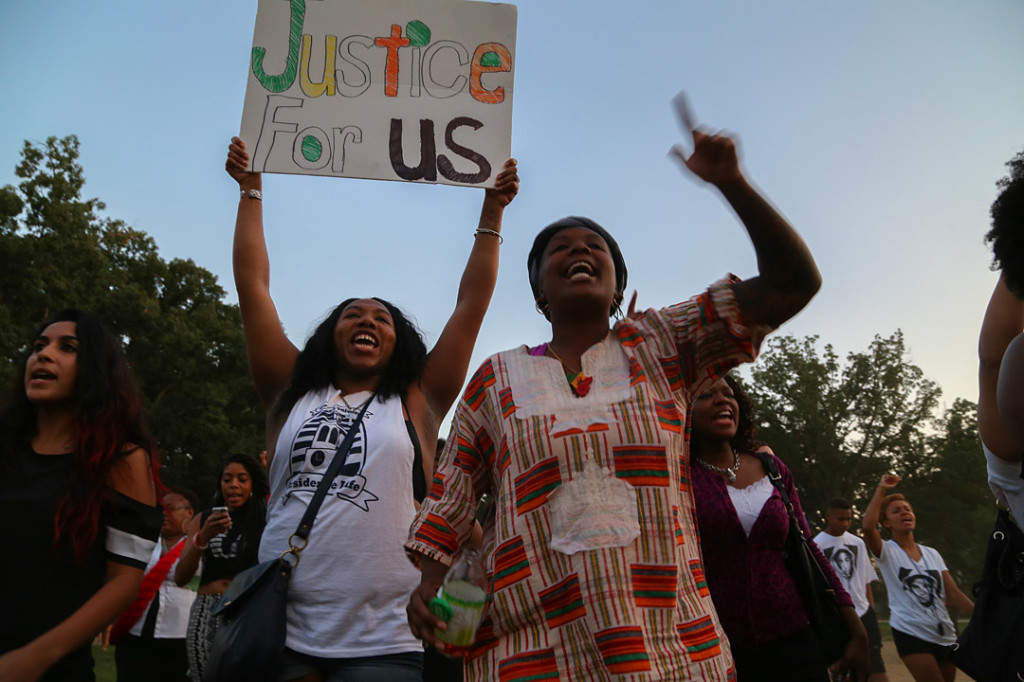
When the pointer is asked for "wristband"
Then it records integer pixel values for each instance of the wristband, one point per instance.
(251, 194)
(195, 540)
(493, 233)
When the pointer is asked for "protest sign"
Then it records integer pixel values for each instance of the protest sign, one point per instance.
(416, 90)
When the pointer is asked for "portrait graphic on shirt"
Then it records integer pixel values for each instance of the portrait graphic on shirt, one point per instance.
(315, 445)
(844, 562)
(924, 586)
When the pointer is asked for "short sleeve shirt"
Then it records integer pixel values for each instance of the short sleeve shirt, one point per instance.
(917, 597)
(849, 558)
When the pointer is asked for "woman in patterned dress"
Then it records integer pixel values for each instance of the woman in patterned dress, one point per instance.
(592, 552)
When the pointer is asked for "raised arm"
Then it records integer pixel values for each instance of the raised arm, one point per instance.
(1004, 320)
(448, 361)
(869, 524)
(787, 276)
(271, 355)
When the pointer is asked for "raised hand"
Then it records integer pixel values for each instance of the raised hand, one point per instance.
(889, 481)
(237, 163)
(715, 158)
(631, 312)
(506, 185)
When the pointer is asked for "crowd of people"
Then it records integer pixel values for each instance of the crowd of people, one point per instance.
(634, 528)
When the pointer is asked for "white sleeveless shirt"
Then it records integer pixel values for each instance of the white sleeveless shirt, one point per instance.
(348, 594)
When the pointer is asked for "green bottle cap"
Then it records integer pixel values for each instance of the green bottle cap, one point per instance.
(440, 608)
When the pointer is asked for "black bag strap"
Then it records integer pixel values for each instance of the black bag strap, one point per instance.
(776, 478)
(340, 456)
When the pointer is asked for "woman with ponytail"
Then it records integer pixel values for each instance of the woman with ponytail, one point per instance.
(78, 478)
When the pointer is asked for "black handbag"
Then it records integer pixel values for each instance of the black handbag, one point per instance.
(991, 647)
(819, 598)
(248, 644)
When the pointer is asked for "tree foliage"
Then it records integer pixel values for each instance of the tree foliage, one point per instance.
(840, 425)
(184, 342)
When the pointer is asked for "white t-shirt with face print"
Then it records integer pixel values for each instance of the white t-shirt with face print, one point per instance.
(917, 598)
(849, 559)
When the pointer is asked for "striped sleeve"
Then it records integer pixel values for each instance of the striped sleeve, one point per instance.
(709, 334)
(445, 519)
(133, 529)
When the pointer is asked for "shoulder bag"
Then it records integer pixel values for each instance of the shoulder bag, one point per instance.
(248, 644)
(818, 596)
(991, 647)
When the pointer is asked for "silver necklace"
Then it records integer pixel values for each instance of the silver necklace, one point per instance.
(730, 472)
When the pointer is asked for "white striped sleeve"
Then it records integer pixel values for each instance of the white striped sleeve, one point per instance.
(133, 529)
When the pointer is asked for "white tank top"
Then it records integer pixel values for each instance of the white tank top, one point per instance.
(348, 594)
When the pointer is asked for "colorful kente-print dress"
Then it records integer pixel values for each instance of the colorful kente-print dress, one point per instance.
(638, 611)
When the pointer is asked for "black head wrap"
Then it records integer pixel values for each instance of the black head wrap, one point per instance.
(541, 242)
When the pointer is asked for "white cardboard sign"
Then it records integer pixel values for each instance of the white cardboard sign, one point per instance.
(415, 90)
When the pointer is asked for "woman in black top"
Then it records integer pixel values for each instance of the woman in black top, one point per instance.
(227, 537)
(78, 491)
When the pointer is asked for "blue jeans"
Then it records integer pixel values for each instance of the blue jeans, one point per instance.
(407, 667)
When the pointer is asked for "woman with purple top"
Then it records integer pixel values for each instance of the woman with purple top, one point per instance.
(743, 525)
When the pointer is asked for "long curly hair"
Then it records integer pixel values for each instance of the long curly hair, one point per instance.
(744, 440)
(1007, 233)
(109, 425)
(255, 515)
(314, 368)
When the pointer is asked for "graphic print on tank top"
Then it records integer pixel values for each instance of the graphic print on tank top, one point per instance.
(313, 448)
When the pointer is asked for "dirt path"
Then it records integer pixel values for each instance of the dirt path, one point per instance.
(898, 672)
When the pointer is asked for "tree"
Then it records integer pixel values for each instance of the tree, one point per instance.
(840, 426)
(184, 342)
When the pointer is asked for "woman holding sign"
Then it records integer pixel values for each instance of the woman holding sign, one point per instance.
(346, 611)
(593, 556)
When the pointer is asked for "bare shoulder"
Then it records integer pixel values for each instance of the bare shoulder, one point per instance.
(132, 475)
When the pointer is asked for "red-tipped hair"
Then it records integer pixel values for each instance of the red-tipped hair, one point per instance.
(109, 426)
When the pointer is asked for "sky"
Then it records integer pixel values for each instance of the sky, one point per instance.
(877, 128)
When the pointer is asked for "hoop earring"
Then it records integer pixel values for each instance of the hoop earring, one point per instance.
(542, 307)
(617, 305)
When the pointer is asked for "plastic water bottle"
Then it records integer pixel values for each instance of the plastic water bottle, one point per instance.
(461, 599)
